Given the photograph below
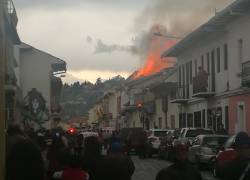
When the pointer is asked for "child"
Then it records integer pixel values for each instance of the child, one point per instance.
(72, 171)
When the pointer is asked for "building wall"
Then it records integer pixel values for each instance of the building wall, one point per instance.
(113, 109)
(172, 115)
(238, 123)
(35, 73)
(159, 116)
(234, 32)
(133, 120)
(227, 81)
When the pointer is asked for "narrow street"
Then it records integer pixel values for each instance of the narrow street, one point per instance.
(147, 169)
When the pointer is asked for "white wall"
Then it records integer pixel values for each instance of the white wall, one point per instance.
(35, 73)
(234, 32)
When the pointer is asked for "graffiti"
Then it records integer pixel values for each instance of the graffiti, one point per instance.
(34, 107)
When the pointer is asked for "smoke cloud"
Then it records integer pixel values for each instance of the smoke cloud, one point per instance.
(138, 45)
(173, 17)
(179, 16)
(102, 47)
(89, 39)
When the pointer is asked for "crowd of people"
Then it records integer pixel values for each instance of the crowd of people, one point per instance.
(56, 154)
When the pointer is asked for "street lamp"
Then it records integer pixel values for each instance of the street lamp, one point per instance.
(166, 36)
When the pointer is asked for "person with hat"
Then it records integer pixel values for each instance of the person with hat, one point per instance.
(181, 169)
(235, 169)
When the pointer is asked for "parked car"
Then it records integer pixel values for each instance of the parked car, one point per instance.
(131, 138)
(154, 140)
(88, 134)
(205, 148)
(166, 148)
(187, 135)
(225, 155)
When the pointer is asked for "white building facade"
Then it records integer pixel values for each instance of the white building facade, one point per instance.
(37, 77)
(213, 72)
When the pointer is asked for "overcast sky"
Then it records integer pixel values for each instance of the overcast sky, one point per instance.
(70, 29)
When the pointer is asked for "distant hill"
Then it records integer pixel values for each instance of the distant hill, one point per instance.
(78, 98)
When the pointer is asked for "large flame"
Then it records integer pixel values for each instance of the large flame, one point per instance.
(157, 44)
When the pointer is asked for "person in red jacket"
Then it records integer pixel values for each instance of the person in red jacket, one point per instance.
(73, 170)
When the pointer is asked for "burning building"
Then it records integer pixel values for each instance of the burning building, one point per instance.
(157, 42)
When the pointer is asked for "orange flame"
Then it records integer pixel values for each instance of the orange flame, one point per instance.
(157, 45)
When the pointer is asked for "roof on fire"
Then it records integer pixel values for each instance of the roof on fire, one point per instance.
(215, 24)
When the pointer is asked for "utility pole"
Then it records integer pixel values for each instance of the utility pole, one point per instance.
(2, 95)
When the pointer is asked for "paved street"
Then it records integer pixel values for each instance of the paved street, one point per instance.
(146, 169)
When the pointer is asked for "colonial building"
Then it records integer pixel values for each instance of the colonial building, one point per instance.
(40, 82)
(213, 71)
(10, 37)
(148, 101)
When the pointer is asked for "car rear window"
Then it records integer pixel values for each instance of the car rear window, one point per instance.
(214, 141)
(196, 132)
(160, 133)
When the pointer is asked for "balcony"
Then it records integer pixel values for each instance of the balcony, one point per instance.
(11, 12)
(203, 86)
(246, 73)
(180, 97)
(59, 67)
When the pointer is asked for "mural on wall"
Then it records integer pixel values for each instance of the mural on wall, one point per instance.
(34, 108)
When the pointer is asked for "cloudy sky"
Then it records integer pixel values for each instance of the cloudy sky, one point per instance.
(75, 30)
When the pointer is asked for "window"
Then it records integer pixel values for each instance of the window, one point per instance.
(213, 141)
(226, 118)
(218, 60)
(240, 46)
(180, 76)
(183, 79)
(190, 121)
(204, 118)
(187, 79)
(213, 69)
(225, 57)
(208, 63)
(197, 119)
(196, 67)
(160, 122)
(172, 117)
(187, 73)
(241, 117)
(197, 141)
(191, 72)
(202, 62)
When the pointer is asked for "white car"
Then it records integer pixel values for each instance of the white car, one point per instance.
(88, 134)
(187, 135)
(154, 139)
(205, 148)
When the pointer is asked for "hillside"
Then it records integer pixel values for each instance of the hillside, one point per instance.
(78, 98)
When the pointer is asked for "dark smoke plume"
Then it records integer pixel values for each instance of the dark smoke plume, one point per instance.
(102, 47)
(89, 39)
(179, 16)
(137, 47)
